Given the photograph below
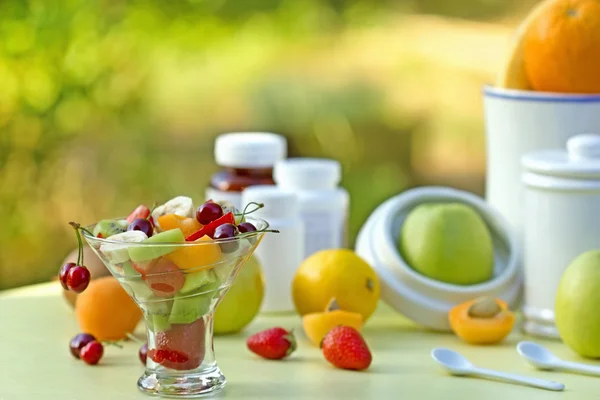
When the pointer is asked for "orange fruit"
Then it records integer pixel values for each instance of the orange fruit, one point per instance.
(106, 311)
(173, 221)
(317, 325)
(339, 274)
(561, 48)
(512, 73)
(199, 257)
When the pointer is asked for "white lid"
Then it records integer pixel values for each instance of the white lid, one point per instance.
(422, 299)
(307, 173)
(580, 160)
(250, 149)
(278, 203)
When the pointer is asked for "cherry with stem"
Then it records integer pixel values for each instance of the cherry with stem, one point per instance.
(75, 276)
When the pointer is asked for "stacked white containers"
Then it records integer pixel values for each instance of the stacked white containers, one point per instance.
(561, 219)
(322, 204)
(280, 254)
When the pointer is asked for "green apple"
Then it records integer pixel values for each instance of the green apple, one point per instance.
(243, 300)
(448, 242)
(577, 304)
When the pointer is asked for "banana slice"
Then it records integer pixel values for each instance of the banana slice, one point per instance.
(180, 205)
(117, 253)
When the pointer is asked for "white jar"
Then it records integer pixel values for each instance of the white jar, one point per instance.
(518, 122)
(323, 205)
(280, 254)
(246, 158)
(561, 220)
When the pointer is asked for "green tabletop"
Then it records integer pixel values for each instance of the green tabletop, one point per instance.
(36, 363)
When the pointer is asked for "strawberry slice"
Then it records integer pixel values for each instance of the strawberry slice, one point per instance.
(209, 229)
(140, 212)
(181, 347)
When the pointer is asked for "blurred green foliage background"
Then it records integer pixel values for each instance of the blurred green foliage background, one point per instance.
(108, 104)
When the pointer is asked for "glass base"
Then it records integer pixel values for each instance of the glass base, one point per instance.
(539, 322)
(183, 386)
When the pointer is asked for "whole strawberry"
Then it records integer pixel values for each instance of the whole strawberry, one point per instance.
(274, 343)
(345, 348)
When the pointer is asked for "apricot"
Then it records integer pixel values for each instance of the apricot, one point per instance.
(317, 325)
(482, 321)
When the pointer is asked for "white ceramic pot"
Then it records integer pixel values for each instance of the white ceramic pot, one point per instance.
(518, 122)
(562, 220)
(422, 299)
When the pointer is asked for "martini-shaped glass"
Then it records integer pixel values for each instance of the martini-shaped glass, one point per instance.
(178, 286)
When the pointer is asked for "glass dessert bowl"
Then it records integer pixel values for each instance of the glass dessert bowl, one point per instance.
(178, 284)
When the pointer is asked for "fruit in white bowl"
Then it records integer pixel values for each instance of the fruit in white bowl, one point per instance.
(448, 242)
(577, 304)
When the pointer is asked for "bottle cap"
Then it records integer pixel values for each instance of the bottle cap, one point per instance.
(278, 203)
(307, 173)
(250, 149)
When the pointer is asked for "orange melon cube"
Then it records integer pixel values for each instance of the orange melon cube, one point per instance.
(173, 221)
(202, 256)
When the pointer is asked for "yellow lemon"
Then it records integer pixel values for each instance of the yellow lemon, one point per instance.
(339, 274)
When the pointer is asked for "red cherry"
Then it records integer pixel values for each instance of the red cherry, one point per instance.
(78, 342)
(227, 231)
(208, 212)
(78, 278)
(143, 225)
(143, 353)
(92, 352)
(62, 274)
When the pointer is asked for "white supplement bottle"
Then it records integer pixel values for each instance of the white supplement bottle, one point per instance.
(280, 254)
(323, 205)
(246, 159)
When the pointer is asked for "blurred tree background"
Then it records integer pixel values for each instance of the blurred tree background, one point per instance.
(108, 104)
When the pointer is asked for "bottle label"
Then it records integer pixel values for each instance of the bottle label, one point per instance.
(234, 198)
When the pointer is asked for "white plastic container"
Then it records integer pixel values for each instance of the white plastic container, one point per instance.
(562, 220)
(246, 158)
(422, 299)
(518, 122)
(280, 254)
(323, 205)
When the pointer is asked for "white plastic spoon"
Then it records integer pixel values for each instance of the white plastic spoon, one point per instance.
(542, 358)
(459, 365)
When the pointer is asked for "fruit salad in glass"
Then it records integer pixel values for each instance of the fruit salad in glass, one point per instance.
(177, 262)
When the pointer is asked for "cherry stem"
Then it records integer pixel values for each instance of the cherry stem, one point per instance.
(135, 339)
(252, 233)
(112, 343)
(245, 212)
(76, 226)
(152, 210)
(86, 230)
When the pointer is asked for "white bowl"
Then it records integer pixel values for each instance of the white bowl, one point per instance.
(422, 299)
